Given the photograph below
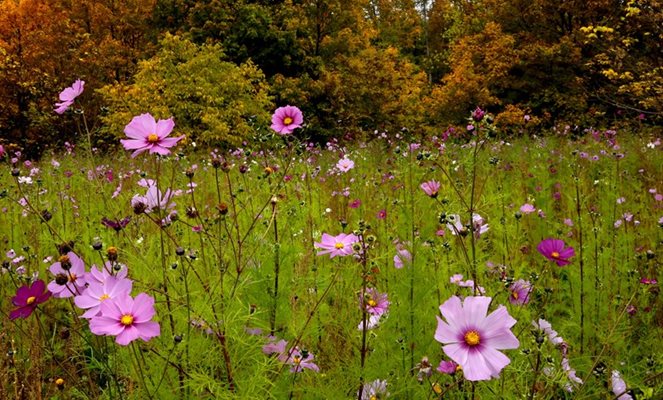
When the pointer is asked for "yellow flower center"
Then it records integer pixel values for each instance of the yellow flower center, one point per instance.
(458, 368)
(472, 338)
(287, 121)
(297, 359)
(374, 397)
(153, 138)
(59, 382)
(554, 254)
(339, 245)
(372, 303)
(72, 277)
(437, 388)
(104, 297)
(30, 300)
(514, 295)
(64, 259)
(127, 319)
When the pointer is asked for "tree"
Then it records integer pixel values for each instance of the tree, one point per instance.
(212, 100)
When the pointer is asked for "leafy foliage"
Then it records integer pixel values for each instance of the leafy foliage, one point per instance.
(213, 101)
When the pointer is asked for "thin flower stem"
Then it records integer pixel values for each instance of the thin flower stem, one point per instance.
(364, 316)
(309, 318)
(581, 262)
(277, 265)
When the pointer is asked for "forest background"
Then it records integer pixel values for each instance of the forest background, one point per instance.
(220, 67)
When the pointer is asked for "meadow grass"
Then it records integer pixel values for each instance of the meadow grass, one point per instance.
(237, 263)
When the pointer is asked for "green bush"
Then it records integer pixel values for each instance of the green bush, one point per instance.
(212, 101)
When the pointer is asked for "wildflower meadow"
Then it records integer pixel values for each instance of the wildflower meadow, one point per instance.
(461, 266)
(331, 199)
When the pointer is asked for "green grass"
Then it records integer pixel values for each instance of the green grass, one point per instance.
(229, 283)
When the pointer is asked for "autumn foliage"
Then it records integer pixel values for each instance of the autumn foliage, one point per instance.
(353, 66)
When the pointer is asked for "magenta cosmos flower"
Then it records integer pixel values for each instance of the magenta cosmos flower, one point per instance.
(97, 293)
(430, 188)
(126, 318)
(287, 119)
(68, 96)
(374, 302)
(70, 276)
(554, 250)
(519, 292)
(147, 134)
(473, 339)
(340, 245)
(28, 298)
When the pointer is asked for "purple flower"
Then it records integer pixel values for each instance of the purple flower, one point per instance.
(28, 298)
(520, 291)
(345, 164)
(299, 359)
(287, 119)
(554, 250)
(478, 114)
(371, 322)
(147, 134)
(117, 224)
(69, 274)
(340, 245)
(472, 339)
(545, 326)
(447, 367)
(618, 387)
(96, 293)
(274, 347)
(374, 390)
(374, 302)
(431, 188)
(99, 275)
(401, 258)
(126, 318)
(527, 208)
(68, 96)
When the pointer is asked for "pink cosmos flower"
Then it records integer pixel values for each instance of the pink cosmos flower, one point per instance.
(431, 188)
(401, 258)
(554, 250)
(69, 273)
(472, 339)
(371, 322)
(28, 298)
(68, 96)
(340, 245)
(618, 386)
(96, 293)
(546, 327)
(345, 164)
(126, 318)
(374, 302)
(274, 346)
(519, 292)
(299, 359)
(375, 390)
(287, 119)
(527, 208)
(100, 274)
(147, 134)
